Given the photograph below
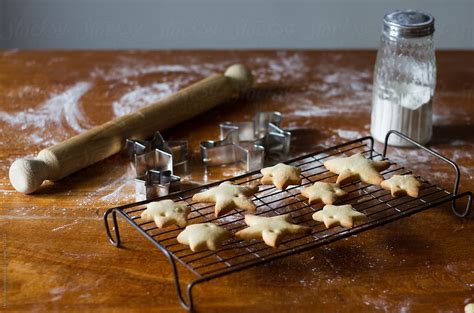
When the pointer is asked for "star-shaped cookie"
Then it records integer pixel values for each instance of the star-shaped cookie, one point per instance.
(469, 308)
(228, 196)
(400, 185)
(203, 236)
(166, 213)
(271, 229)
(333, 215)
(357, 167)
(281, 175)
(326, 193)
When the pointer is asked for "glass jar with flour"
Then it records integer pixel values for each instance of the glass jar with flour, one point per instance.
(404, 78)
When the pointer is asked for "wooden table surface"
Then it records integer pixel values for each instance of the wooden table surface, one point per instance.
(55, 256)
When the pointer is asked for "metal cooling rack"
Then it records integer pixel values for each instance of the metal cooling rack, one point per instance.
(237, 255)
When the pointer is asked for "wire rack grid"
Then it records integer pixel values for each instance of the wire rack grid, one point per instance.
(375, 202)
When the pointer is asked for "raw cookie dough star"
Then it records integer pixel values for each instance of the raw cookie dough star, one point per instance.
(271, 229)
(166, 213)
(203, 236)
(333, 215)
(326, 193)
(357, 167)
(400, 185)
(281, 175)
(228, 196)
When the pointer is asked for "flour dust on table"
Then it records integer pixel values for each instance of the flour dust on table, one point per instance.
(140, 96)
(61, 109)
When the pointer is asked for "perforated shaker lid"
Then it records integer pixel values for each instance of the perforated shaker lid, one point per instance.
(408, 24)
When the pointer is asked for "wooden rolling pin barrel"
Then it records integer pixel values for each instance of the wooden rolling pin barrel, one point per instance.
(98, 143)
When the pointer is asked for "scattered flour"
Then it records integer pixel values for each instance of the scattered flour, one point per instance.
(46, 117)
(119, 192)
(9, 51)
(403, 156)
(336, 81)
(57, 293)
(71, 111)
(379, 304)
(66, 225)
(446, 116)
(411, 157)
(349, 134)
(304, 107)
(285, 66)
(119, 188)
(131, 67)
(339, 91)
(140, 97)
(23, 91)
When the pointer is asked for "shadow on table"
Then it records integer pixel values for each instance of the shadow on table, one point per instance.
(446, 134)
(305, 140)
(387, 248)
(266, 92)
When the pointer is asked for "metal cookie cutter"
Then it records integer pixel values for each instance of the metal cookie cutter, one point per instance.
(154, 162)
(248, 143)
(156, 183)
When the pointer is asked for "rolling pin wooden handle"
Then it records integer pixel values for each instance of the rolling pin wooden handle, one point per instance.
(98, 143)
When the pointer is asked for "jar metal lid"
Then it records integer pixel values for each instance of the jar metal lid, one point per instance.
(408, 24)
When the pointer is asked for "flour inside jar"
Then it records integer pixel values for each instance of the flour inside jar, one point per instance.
(403, 107)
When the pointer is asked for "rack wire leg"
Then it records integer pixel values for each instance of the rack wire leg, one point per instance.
(190, 294)
(466, 211)
(189, 305)
(189, 290)
(114, 240)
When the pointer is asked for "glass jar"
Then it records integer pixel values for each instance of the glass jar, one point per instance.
(404, 78)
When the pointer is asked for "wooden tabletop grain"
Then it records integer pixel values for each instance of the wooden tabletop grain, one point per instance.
(54, 253)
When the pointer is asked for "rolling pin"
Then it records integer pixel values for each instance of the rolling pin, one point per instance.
(100, 142)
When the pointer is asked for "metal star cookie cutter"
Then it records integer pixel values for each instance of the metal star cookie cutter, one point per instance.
(156, 183)
(154, 162)
(248, 143)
